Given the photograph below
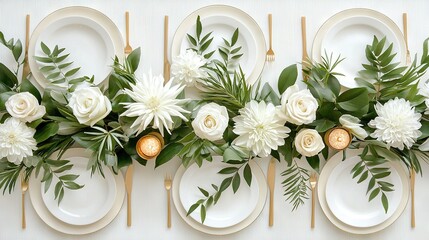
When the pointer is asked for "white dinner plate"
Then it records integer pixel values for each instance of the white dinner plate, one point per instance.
(331, 164)
(82, 206)
(230, 209)
(348, 32)
(233, 209)
(352, 207)
(223, 20)
(42, 210)
(91, 38)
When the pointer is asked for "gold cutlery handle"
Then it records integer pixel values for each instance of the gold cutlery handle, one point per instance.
(405, 26)
(129, 210)
(313, 204)
(413, 214)
(27, 33)
(304, 38)
(127, 27)
(271, 214)
(168, 209)
(270, 29)
(24, 222)
(165, 38)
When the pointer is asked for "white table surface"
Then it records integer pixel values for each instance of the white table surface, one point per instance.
(149, 196)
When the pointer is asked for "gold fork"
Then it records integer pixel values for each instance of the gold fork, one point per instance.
(26, 67)
(128, 49)
(313, 183)
(405, 26)
(412, 185)
(166, 62)
(167, 184)
(270, 52)
(24, 188)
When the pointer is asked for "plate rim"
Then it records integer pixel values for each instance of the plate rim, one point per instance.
(74, 11)
(263, 189)
(386, 216)
(108, 173)
(321, 187)
(316, 51)
(58, 225)
(240, 15)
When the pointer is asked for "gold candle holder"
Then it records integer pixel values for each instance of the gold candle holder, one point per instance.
(149, 146)
(338, 138)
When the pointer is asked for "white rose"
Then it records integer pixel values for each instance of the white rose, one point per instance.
(25, 107)
(308, 142)
(210, 122)
(298, 107)
(89, 105)
(352, 123)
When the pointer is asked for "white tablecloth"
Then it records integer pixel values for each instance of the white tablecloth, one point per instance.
(149, 196)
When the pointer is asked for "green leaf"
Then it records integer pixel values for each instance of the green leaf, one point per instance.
(203, 213)
(69, 177)
(7, 77)
(192, 40)
(27, 86)
(45, 49)
(204, 192)
(354, 101)
(192, 208)
(374, 194)
(199, 28)
(17, 50)
(228, 170)
(134, 59)
(247, 174)
(3, 98)
(225, 184)
(236, 182)
(230, 155)
(45, 131)
(72, 72)
(234, 37)
(371, 185)
(73, 185)
(363, 177)
(287, 78)
(323, 125)
(170, 151)
(206, 45)
(314, 162)
(385, 202)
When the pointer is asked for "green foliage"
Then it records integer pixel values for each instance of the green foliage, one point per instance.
(287, 78)
(198, 43)
(58, 169)
(372, 167)
(58, 72)
(295, 184)
(233, 179)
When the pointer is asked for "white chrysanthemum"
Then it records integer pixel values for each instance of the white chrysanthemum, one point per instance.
(155, 103)
(186, 67)
(397, 123)
(16, 140)
(259, 128)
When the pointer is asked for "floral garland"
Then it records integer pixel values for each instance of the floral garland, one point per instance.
(386, 116)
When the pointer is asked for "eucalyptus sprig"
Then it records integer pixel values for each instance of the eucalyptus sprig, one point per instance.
(58, 72)
(233, 179)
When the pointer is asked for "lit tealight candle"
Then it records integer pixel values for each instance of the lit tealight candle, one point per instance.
(338, 138)
(149, 146)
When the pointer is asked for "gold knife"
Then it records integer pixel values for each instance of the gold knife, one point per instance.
(271, 179)
(304, 39)
(166, 62)
(405, 25)
(412, 183)
(128, 188)
(26, 67)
